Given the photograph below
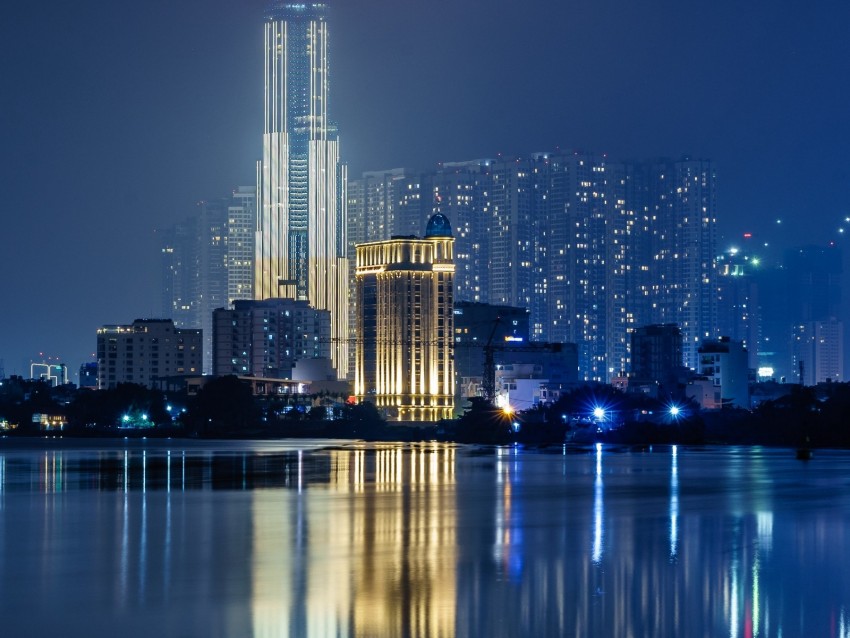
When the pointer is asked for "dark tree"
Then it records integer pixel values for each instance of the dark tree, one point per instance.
(223, 406)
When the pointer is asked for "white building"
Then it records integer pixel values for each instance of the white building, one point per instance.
(724, 363)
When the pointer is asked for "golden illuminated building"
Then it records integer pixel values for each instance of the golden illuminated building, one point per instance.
(405, 324)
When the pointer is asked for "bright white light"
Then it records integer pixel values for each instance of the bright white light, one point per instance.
(144, 417)
(599, 413)
(674, 410)
(125, 418)
(765, 371)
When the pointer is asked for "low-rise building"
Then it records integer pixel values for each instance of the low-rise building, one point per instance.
(723, 362)
(146, 350)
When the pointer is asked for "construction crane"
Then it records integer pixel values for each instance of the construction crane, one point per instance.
(488, 385)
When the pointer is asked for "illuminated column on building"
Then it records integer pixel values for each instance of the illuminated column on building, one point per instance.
(301, 244)
(405, 324)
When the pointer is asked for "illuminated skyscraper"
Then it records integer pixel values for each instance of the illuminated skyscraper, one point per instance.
(300, 244)
(405, 324)
(684, 238)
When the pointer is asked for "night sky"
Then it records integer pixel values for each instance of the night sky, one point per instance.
(117, 117)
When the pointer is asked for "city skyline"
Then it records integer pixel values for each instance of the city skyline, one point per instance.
(764, 105)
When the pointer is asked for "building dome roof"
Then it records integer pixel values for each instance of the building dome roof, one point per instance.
(438, 226)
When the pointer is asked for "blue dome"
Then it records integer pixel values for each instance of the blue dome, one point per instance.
(438, 226)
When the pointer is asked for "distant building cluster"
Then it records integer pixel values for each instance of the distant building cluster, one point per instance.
(591, 247)
(207, 262)
(508, 278)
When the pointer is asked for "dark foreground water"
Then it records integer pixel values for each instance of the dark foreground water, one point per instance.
(319, 539)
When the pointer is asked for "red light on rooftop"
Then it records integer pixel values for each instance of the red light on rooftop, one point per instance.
(747, 235)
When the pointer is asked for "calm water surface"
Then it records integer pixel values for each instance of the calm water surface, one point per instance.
(323, 539)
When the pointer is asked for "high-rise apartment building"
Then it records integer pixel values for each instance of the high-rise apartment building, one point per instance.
(817, 349)
(374, 201)
(266, 338)
(684, 240)
(802, 316)
(300, 249)
(738, 301)
(241, 226)
(212, 268)
(461, 192)
(590, 247)
(405, 324)
(207, 262)
(179, 272)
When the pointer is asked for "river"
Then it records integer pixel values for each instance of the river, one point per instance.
(333, 538)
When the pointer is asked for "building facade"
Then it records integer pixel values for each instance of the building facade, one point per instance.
(300, 246)
(818, 351)
(738, 300)
(207, 261)
(592, 248)
(404, 361)
(241, 225)
(146, 350)
(656, 355)
(724, 363)
(267, 338)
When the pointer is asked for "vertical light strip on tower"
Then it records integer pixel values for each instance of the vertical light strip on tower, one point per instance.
(301, 210)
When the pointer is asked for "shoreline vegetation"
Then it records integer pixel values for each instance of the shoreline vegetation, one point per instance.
(225, 409)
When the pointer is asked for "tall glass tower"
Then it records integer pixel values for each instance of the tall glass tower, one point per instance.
(301, 243)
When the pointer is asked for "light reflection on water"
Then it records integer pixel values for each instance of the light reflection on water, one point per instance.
(421, 540)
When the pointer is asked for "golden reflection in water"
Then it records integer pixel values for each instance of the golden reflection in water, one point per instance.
(372, 543)
(372, 555)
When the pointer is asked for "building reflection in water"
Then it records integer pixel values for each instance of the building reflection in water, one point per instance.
(598, 508)
(674, 501)
(371, 555)
(432, 540)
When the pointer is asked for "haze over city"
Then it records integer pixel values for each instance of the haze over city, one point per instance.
(117, 118)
